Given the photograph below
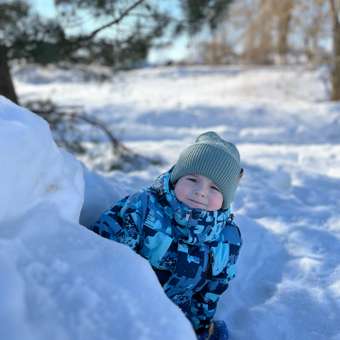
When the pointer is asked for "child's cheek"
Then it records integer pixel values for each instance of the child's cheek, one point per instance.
(215, 202)
(179, 192)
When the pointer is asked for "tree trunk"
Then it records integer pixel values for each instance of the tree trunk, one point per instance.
(336, 66)
(6, 84)
(284, 18)
(336, 52)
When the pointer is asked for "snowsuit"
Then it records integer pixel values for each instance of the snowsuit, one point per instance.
(192, 251)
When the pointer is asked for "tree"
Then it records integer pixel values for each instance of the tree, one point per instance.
(283, 13)
(24, 35)
(118, 33)
(259, 35)
(335, 15)
(271, 31)
(204, 12)
(9, 15)
(310, 28)
(6, 84)
(207, 16)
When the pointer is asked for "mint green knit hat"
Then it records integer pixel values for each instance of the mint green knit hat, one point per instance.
(212, 157)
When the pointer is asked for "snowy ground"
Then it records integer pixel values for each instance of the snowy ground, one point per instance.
(288, 206)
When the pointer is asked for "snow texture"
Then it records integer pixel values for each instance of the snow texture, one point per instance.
(60, 281)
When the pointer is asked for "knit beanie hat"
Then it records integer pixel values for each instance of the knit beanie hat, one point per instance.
(212, 157)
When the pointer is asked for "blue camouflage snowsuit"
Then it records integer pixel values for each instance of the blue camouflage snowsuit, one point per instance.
(192, 251)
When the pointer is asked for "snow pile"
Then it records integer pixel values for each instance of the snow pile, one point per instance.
(60, 281)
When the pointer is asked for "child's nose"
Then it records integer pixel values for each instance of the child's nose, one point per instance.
(200, 191)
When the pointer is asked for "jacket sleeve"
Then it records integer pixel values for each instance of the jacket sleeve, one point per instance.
(123, 222)
(204, 302)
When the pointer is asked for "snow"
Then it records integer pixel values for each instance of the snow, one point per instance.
(62, 281)
(58, 281)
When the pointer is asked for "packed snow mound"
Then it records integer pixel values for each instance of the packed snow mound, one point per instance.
(33, 170)
(59, 281)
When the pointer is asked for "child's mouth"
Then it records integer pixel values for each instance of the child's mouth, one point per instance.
(196, 203)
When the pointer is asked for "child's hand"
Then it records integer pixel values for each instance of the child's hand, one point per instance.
(211, 330)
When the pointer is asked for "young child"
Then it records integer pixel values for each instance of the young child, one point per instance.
(183, 226)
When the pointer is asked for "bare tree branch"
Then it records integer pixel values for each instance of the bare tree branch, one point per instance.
(113, 22)
(95, 122)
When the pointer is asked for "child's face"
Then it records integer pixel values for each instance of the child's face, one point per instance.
(198, 191)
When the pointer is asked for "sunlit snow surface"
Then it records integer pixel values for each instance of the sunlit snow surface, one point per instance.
(59, 281)
(288, 205)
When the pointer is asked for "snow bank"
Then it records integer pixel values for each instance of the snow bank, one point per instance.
(33, 170)
(60, 281)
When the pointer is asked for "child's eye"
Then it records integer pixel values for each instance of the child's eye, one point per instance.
(191, 179)
(214, 188)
